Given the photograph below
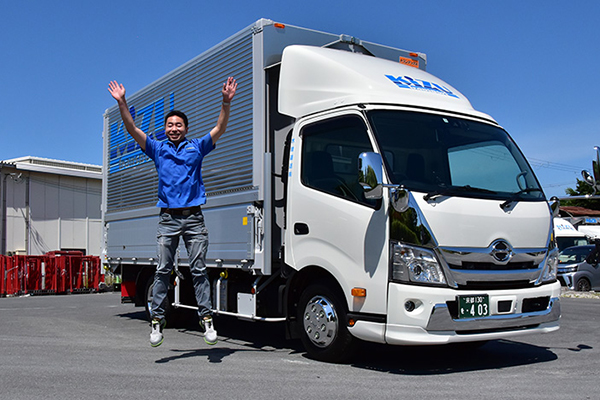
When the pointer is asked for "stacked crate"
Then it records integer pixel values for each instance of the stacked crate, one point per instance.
(53, 273)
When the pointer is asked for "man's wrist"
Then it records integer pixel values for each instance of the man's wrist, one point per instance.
(225, 103)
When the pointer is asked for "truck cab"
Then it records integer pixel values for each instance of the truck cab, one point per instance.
(452, 238)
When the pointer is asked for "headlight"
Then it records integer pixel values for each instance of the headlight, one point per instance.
(551, 266)
(413, 264)
(567, 270)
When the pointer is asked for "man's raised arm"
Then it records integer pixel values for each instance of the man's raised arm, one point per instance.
(228, 92)
(118, 92)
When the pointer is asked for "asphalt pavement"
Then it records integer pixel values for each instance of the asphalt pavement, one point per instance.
(91, 346)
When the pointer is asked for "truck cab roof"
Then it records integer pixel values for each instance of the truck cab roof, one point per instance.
(315, 79)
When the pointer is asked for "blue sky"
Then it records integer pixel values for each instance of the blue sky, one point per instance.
(532, 65)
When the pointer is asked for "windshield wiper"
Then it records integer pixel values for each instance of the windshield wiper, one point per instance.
(445, 191)
(515, 196)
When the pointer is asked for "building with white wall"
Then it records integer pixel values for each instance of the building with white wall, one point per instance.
(48, 205)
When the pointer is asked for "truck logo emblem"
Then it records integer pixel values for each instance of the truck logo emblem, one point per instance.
(501, 251)
(407, 82)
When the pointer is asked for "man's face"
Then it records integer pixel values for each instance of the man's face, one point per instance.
(175, 129)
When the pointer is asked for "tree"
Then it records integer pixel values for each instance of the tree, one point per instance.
(582, 189)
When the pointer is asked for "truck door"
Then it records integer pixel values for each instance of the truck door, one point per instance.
(330, 224)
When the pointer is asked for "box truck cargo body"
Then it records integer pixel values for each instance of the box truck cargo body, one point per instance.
(353, 196)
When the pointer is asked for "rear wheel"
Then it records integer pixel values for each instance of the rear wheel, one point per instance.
(322, 323)
(583, 285)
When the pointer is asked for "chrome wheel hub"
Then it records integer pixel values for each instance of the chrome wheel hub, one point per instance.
(320, 321)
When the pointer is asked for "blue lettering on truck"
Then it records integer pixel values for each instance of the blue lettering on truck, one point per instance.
(124, 152)
(407, 82)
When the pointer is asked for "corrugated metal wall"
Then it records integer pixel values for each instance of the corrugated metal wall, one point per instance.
(194, 88)
(48, 212)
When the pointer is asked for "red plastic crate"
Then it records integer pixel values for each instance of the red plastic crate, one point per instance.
(55, 272)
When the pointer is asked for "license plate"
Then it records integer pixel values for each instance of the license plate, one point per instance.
(473, 306)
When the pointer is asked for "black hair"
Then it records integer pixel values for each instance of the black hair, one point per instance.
(179, 114)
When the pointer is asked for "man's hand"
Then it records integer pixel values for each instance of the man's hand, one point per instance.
(117, 90)
(228, 92)
(229, 89)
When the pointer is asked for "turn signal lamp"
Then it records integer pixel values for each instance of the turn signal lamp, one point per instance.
(359, 292)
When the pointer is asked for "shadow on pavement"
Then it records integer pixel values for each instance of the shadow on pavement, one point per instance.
(448, 359)
(239, 336)
(214, 355)
(135, 315)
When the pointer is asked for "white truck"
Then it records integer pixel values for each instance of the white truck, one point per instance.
(354, 197)
(566, 235)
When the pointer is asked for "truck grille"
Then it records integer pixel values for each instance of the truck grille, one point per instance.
(495, 285)
(487, 266)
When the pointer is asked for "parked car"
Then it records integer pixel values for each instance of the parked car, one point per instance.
(575, 272)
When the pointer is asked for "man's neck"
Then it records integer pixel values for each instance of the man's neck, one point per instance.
(176, 144)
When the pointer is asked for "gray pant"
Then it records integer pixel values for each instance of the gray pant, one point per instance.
(195, 236)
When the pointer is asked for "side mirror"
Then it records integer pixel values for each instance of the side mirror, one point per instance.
(399, 199)
(588, 178)
(370, 175)
(596, 168)
(554, 204)
(593, 179)
(594, 257)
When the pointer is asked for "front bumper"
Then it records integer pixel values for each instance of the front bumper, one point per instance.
(434, 321)
(567, 279)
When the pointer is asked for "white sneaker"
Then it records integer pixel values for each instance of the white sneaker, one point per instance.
(210, 334)
(156, 335)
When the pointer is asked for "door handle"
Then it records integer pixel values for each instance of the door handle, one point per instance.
(300, 228)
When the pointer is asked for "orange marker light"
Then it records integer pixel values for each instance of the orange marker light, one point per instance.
(359, 292)
(409, 61)
(278, 25)
(413, 54)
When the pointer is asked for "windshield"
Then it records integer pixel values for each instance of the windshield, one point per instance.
(574, 254)
(442, 155)
(568, 241)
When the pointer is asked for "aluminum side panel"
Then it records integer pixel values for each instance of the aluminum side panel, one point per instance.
(230, 232)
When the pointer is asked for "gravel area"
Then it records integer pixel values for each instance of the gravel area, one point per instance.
(581, 295)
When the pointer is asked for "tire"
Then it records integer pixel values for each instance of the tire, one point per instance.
(322, 324)
(583, 285)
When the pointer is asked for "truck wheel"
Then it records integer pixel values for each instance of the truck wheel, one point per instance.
(322, 323)
(148, 304)
(583, 285)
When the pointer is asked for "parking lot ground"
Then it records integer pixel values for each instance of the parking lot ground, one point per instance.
(92, 346)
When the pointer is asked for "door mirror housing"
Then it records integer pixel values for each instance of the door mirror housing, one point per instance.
(593, 179)
(588, 178)
(370, 175)
(554, 204)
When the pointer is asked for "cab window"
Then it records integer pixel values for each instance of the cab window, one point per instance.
(330, 151)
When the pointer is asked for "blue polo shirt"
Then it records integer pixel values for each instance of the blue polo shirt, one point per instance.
(179, 170)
